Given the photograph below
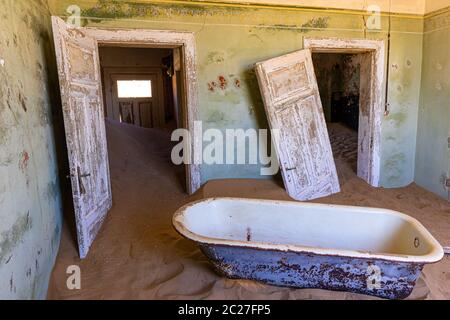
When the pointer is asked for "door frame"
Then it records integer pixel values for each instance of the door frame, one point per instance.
(168, 39)
(370, 168)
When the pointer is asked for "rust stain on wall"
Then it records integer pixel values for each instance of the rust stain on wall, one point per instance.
(212, 85)
(223, 82)
(24, 159)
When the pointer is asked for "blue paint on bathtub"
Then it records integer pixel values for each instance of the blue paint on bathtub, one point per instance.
(395, 280)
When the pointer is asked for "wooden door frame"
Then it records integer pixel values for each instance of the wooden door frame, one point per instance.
(168, 39)
(377, 52)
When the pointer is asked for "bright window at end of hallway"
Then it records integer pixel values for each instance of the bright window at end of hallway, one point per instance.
(134, 88)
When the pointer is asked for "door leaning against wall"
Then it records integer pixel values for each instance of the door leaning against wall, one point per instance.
(292, 102)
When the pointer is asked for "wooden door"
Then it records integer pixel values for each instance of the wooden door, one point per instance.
(82, 103)
(138, 108)
(292, 102)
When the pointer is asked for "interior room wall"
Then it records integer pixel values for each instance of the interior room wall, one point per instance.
(231, 39)
(397, 6)
(433, 145)
(30, 197)
(419, 7)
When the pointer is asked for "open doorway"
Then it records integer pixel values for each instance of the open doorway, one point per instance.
(142, 95)
(363, 106)
(339, 78)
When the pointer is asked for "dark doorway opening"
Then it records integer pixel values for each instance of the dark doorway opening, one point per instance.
(338, 76)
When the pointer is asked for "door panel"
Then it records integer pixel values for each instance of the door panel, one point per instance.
(288, 81)
(81, 95)
(145, 113)
(126, 113)
(292, 102)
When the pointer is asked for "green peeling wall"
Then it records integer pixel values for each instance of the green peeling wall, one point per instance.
(231, 39)
(30, 205)
(433, 145)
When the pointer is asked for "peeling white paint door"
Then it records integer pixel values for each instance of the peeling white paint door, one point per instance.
(82, 103)
(292, 102)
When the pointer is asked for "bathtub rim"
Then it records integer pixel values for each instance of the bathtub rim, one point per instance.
(436, 254)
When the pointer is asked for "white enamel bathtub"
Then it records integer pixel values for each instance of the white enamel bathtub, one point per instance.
(365, 250)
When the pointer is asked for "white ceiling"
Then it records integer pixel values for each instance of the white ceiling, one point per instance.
(434, 5)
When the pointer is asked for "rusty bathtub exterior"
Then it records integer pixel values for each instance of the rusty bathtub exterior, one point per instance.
(379, 278)
(227, 235)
